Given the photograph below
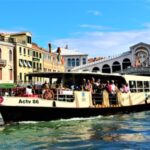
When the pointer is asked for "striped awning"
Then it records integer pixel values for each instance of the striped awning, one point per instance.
(20, 62)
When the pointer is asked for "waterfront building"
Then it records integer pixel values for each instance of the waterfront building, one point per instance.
(22, 56)
(28, 57)
(73, 58)
(6, 60)
(137, 57)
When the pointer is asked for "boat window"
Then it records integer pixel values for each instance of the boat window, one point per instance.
(132, 85)
(139, 86)
(146, 86)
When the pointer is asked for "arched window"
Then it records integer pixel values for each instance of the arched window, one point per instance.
(0, 53)
(69, 62)
(106, 68)
(77, 62)
(73, 62)
(10, 55)
(84, 61)
(126, 63)
(95, 69)
(116, 66)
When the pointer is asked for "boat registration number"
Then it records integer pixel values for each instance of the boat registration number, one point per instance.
(26, 101)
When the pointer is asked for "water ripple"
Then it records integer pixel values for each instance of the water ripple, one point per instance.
(126, 132)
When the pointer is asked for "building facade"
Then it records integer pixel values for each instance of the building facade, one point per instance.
(27, 57)
(73, 58)
(137, 56)
(6, 61)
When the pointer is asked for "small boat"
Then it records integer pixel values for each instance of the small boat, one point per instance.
(68, 96)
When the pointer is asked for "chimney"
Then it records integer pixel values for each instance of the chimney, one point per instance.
(58, 50)
(50, 47)
(66, 47)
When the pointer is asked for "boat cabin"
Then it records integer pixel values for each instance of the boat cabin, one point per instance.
(64, 86)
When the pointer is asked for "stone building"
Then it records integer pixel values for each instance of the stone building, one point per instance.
(73, 58)
(138, 56)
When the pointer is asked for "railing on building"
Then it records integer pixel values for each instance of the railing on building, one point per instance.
(138, 71)
(37, 69)
(101, 60)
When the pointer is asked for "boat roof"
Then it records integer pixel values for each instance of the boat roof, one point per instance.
(56, 74)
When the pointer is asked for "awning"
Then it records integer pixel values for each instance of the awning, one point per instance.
(25, 64)
(7, 85)
(20, 62)
(29, 64)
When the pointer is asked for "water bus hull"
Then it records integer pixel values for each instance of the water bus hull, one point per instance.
(17, 114)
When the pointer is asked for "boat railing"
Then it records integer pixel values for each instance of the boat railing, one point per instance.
(97, 98)
(64, 95)
(105, 98)
(113, 99)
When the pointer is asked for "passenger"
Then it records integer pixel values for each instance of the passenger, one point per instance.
(48, 94)
(44, 87)
(98, 86)
(84, 84)
(108, 87)
(93, 84)
(113, 87)
(89, 86)
(29, 90)
(126, 88)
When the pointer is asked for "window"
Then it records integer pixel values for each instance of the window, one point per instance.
(132, 85)
(40, 56)
(0, 53)
(146, 86)
(20, 50)
(20, 76)
(36, 54)
(34, 65)
(33, 53)
(84, 61)
(10, 55)
(69, 62)
(139, 86)
(37, 65)
(25, 78)
(24, 51)
(40, 66)
(77, 62)
(29, 39)
(10, 74)
(73, 62)
(28, 52)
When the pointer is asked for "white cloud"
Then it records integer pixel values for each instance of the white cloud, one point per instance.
(92, 26)
(105, 43)
(95, 12)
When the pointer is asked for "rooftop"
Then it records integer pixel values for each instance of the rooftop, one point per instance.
(68, 52)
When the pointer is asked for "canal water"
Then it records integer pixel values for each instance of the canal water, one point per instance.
(122, 132)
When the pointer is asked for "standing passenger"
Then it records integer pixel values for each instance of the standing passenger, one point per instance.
(89, 86)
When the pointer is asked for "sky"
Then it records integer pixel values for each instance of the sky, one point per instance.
(94, 27)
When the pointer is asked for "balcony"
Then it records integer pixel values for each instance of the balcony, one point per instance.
(37, 70)
(2, 63)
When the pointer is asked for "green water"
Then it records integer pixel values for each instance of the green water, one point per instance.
(130, 131)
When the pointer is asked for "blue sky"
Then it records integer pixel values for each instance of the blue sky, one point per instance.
(95, 27)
